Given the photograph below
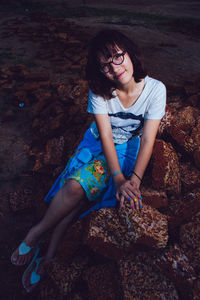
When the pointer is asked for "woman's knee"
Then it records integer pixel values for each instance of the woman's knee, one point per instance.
(74, 189)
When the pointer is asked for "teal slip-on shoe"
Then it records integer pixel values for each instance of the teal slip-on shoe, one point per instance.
(23, 250)
(30, 277)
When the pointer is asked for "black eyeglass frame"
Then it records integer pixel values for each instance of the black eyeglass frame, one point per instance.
(112, 62)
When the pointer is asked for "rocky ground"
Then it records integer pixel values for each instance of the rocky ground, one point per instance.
(43, 98)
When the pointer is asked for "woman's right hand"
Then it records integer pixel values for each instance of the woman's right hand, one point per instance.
(128, 190)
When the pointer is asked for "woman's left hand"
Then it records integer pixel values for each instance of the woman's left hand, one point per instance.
(129, 191)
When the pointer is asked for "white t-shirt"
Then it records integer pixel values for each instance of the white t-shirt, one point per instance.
(127, 123)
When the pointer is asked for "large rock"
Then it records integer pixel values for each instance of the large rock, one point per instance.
(184, 209)
(71, 241)
(105, 235)
(65, 276)
(141, 280)
(154, 198)
(21, 199)
(48, 290)
(190, 176)
(103, 282)
(190, 240)
(147, 226)
(175, 265)
(115, 233)
(185, 118)
(166, 172)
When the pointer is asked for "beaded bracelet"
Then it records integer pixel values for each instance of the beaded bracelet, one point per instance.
(137, 176)
(115, 173)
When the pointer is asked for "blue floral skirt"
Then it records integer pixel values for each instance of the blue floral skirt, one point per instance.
(88, 166)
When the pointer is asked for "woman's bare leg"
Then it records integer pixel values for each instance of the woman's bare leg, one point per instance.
(60, 230)
(65, 200)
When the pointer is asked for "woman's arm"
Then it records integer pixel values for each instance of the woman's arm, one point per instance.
(144, 155)
(105, 132)
(146, 147)
(126, 189)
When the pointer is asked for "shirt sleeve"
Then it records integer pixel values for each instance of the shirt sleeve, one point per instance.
(156, 108)
(96, 104)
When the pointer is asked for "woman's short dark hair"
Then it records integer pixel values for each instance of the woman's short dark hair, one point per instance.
(105, 43)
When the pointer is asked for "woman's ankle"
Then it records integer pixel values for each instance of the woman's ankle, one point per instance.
(32, 237)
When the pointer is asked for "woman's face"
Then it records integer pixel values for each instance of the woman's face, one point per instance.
(120, 73)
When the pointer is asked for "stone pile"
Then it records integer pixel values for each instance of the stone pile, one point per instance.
(113, 253)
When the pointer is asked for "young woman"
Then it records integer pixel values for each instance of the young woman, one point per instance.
(111, 159)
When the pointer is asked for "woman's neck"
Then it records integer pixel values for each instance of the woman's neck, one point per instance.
(129, 88)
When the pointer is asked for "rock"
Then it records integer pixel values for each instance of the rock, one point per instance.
(190, 176)
(147, 226)
(173, 263)
(54, 151)
(103, 282)
(21, 199)
(186, 209)
(141, 280)
(105, 235)
(196, 156)
(194, 100)
(191, 88)
(29, 86)
(184, 118)
(36, 77)
(182, 138)
(114, 234)
(195, 135)
(190, 240)
(154, 198)
(48, 291)
(166, 121)
(166, 172)
(71, 241)
(18, 68)
(66, 276)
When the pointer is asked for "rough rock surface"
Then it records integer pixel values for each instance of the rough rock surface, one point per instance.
(176, 266)
(105, 235)
(147, 226)
(140, 280)
(166, 171)
(102, 281)
(66, 276)
(190, 240)
(154, 198)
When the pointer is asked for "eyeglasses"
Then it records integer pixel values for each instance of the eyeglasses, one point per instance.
(117, 59)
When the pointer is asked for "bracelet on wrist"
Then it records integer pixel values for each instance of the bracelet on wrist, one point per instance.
(115, 173)
(137, 176)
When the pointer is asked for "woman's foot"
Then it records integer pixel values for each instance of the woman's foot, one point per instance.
(33, 274)
(26, 250)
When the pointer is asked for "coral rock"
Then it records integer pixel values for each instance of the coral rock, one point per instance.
(154, 198)
(196, 156)
(190, 176)
(21, 199)
(185, 209)
(166, 172)
(65, 276)
(103, 282)
(71, 241)
(147, 226)
(105, 235)
(175, 265)
(140, 280)
(49, 291)
(54, 151)
(190, 240)
(185, 119)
